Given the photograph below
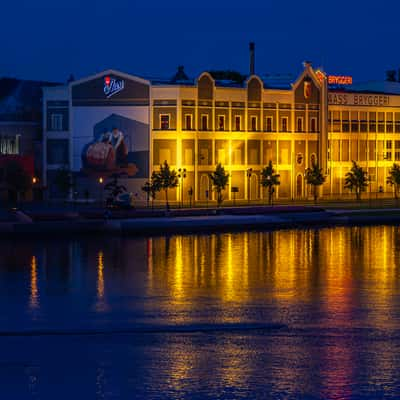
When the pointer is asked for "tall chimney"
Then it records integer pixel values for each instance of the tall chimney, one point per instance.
(252, 57)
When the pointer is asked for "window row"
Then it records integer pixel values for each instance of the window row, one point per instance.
(212, 152)
(364, 150)
(222, 124)
(363, 121)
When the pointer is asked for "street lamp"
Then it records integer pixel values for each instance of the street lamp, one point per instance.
(101, 189)
(182, 176)
(249, 174)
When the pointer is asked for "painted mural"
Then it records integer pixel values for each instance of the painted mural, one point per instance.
(112, 148)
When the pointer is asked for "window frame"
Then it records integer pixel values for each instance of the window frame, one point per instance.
(169, 121)
(56, 117)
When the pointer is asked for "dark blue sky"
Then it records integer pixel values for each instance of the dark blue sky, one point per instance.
(49, 39)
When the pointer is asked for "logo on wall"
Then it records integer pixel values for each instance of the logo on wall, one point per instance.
(113, 86)
(307, 88)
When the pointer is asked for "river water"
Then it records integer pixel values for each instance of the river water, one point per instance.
(291, 314)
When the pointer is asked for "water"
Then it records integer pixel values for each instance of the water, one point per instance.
(192, 317)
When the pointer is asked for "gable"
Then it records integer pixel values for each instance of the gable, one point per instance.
(109, 89)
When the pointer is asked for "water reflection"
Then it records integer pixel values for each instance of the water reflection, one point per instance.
(34, 297)
(336, 289)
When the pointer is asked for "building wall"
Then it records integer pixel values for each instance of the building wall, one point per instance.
(244, 128)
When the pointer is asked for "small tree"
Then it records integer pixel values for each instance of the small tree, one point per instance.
(114, 188)
(315, 178)
(393, 179)
(357, 180)
(151, 187)
(219, 180)
(64, 181)
(164, 179)
(16, 178)
(269, 179)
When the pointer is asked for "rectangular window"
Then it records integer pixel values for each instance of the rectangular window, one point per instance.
(56, 122)
(397, 150)
(268, 126)
(371, 150)
(372, 121)
(397, 122)
(336, 121)
(354, 122)
(345, 150)
(238, 123)
(381, 122)
(388, 154)
(164, 121)
(188, 122)
(253, 123)
(345, 121)
(221, 122)
(204, 122)
(313, 125)
(284, 124)
(299, 124)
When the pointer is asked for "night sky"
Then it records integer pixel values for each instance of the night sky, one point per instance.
(50, 39)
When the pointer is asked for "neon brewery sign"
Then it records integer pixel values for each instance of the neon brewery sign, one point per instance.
(113, 86)
(340, 80)
(337, 80)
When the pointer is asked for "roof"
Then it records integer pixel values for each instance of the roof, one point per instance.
(384, 87)
(278, 81)
(21, 100)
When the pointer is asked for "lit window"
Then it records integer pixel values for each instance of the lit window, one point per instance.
(284, 124)
(164, 118)
(56, 122)
(253, 122)
(204, 122)
(238, 123)
(299, 124)
(221, 122)
(188, 121)
(268, 127)
(313, 127)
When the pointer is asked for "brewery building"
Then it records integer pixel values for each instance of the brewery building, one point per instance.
(114, 121)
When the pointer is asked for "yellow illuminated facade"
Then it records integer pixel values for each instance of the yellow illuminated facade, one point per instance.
(243, 127)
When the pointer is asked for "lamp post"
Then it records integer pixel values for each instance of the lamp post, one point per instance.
(34, 188)
(101, 190)
(182, 176)
(249, 174)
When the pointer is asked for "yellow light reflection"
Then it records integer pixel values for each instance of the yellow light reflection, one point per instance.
(34, 295)
(101, 304)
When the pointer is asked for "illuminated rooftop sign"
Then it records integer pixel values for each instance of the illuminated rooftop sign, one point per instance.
(334, 79)
(340, 80)
(113, 86)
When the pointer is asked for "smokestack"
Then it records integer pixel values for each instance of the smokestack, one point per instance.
(252, 57)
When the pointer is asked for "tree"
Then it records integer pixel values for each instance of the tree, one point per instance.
(394, 178)
(114, 188)
(269, 179)
(64, 180)
(16, 179)
(151, 187)
(165, 179)
(357, 180)
(315, 178)
(219, 179)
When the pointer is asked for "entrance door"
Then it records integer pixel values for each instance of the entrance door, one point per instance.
(204, 188)
(299, 186)
(253, 190)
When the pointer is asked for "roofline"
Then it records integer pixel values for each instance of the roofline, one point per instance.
(110, 72)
